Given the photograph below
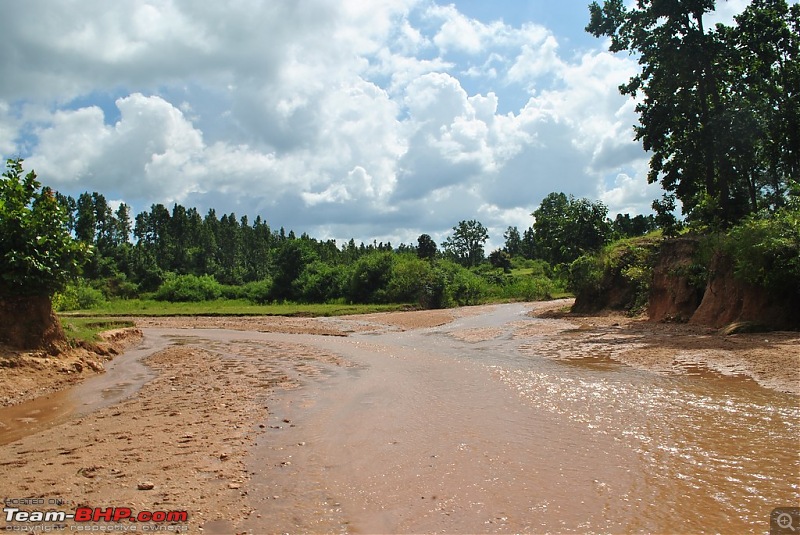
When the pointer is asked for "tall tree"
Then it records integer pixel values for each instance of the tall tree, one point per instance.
(466, 243)
(681, 111)
(426, 247)
(764, 80)
(567, 227)
(513, 241)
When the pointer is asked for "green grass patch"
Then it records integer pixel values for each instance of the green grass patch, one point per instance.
(228, 307)
(86, 329)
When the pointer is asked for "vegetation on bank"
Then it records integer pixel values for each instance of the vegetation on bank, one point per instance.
(78, 329)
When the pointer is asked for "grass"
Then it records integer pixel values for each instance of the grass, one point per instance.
(86, 328)
(226, 307)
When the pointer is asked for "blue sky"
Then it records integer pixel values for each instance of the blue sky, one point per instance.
(373, 120)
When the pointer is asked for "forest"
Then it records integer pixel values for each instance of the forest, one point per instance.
(181, 255)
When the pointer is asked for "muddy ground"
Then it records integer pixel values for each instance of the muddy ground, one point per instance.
(180, 443)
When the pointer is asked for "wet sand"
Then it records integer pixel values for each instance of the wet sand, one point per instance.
(297, 427)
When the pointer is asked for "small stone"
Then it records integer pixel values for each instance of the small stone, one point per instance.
(145, 485)
(233, 485)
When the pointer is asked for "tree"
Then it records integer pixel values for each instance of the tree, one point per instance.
(466, 243)
(625, 226)
(37, 258)
(513, 241)
(426, 247)
(501, 260)
(567, 227)
(718, 110)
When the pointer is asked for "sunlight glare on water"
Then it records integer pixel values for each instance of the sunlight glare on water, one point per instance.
(723, 441)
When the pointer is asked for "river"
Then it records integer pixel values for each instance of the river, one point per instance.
(427, 433)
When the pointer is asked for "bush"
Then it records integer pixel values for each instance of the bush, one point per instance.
(585, 274)
(259, 292)
(527, 289)
(77, 296)
(370, 279)
(467, 288)
(765, 249)
(189, 288)
(318, 283)
(412, 280)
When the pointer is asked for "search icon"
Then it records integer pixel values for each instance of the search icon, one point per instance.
(784, 521)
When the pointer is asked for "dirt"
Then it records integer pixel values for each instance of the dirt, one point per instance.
(180, 443)
(770, 358)
(26, 375)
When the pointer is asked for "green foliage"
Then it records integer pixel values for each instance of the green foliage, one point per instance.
(426, 247)
(567, 227)
(87, 329)
(524, 288)
(465, 246)
(37, 254)
(467, 288)
(319, 283)
(585, 274)
(78, 295)
(292, 258)
(624, 267)
(369, 282)
(412, 279)
(765, 249)
(501, 260)
(259, 292)
(189, 288)
(718, 107)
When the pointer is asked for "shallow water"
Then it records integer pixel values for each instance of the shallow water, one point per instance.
(123, 377)
(431, 434)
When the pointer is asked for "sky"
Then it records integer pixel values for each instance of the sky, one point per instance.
(367, 119)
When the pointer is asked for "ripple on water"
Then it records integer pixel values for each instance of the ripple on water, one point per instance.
(727, 444)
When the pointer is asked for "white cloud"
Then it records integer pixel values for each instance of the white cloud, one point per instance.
(376, 119)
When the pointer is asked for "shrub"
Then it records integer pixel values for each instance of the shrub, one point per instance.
(318, 283)
(259, 292)
(467, 288)
(77, 296)
(189, 288)
(370, 279)
(412, 280)
(765, 249)
(585, 274)
(527, 288)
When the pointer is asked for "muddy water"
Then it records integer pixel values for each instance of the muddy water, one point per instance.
(123, 377)
(426, 433)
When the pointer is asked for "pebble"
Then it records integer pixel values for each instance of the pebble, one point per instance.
(145, 485)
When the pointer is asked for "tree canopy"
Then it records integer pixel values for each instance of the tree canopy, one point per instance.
(37, 253)
(718, 107)
(467, 242)
(566, 227)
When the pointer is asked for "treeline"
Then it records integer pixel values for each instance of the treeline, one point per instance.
(181, 255)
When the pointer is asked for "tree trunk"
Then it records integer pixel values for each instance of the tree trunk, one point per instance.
(30, 323)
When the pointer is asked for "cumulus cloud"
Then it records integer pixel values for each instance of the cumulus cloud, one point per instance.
(368, 120)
